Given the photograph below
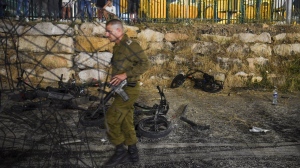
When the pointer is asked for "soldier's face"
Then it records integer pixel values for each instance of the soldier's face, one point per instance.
(112, 33)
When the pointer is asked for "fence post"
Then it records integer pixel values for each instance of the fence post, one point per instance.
(215, 11)
(199, 8)
(242, 7)
(289, 4)
(167, 10)
(229, 11)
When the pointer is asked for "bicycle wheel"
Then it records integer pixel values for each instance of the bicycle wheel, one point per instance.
(98, 120)
(212, 87)
(177, 81)
(154, 128)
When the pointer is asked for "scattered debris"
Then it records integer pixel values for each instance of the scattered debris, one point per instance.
(257, 129)
(191, 123)
(70, 142)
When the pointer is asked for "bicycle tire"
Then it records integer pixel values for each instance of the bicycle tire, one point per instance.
(212, 87)
(177, 81)
(154, 128)
(96, 121)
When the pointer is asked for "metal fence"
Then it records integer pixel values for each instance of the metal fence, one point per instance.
(220, 11)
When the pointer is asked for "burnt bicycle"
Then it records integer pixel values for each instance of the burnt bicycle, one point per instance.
(63, 95)
(207, 83)
(154, 124)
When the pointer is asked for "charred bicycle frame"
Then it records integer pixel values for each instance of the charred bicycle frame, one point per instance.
(207, 83)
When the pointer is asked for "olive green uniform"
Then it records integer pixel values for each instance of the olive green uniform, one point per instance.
(129, 58)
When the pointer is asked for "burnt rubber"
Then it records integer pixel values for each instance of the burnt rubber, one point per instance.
(177, 81)
(152, 127)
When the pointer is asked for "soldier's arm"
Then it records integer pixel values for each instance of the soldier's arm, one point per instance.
(141, 61)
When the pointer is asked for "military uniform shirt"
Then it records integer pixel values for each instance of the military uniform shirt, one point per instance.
(129, 57)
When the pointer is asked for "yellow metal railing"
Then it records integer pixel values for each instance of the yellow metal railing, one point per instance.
(221, 11)
(181, 10)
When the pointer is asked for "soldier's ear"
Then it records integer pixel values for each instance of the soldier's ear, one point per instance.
(119, 30)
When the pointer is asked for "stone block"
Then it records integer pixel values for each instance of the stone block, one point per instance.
(54, 75)
(33, 43)
(261, 49)
(60, 44)
(92, 44)
(131, 31)
(48, 29)
(86, 75)
(215, 38)
(174, 37)
(43, 60)
(204, 48)
(98, 30)
(238, 49)
(252, 38)
(86, 29)
(150, 35)
(93, 60)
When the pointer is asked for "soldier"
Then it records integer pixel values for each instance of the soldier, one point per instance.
(129, 62)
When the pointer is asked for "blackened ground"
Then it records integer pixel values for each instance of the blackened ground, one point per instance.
(52, 137)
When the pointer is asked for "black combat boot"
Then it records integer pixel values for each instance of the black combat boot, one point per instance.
(133, 153)
(120, 156)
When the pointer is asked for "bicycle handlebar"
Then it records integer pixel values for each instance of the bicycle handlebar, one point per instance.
(160, 91)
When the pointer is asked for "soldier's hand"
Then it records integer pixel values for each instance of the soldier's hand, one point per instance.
(117, 79)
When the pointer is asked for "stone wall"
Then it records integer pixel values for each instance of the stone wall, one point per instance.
(47, 50)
